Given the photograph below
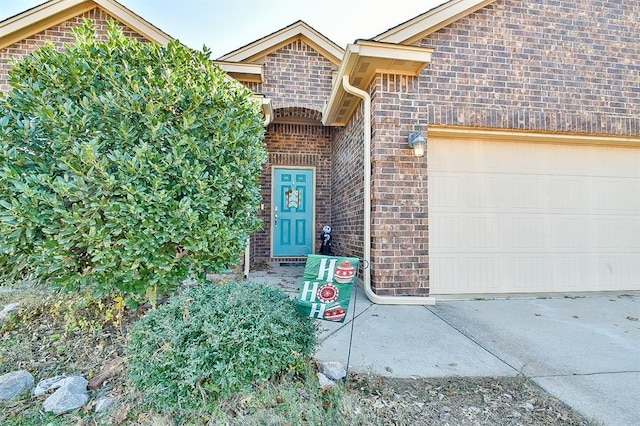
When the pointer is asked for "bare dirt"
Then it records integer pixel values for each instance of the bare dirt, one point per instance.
(462, 401)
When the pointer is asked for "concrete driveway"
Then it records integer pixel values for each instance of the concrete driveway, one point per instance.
(583, 350)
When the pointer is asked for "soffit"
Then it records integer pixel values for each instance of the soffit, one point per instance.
(297, 31)
(429, 22)
(54, 12)
(362, 61)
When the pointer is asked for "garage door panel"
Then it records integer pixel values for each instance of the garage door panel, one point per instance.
(508, 217)
(445, 189)
(529, 232)
(616, 195)
(614, 271)
(461, 273)
(568, 232)
(567, 194)
(568, 272)
(481, 232)
(617, 232)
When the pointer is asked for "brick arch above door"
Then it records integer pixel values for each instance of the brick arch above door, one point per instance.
(297, 115)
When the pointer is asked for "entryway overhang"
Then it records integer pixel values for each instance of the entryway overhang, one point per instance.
(361, 62)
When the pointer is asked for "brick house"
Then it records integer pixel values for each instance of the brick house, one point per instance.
(531, 116)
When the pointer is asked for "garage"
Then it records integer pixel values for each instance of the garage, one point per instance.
(531, 214)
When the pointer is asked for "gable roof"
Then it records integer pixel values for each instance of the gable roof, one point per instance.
(431, 21)
(54, 12)
(274, 41)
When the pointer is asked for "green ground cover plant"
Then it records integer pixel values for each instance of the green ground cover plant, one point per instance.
(213, 341)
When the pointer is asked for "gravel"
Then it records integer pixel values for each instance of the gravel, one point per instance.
(460, 401)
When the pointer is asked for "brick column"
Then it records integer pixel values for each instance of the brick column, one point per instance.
(400, 226)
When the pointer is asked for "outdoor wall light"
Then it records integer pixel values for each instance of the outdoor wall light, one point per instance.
(418, 143)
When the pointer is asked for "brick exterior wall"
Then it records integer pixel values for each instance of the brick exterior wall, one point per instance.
(298, 81)
(59, 35)
(296, 75)
(541, 65)
(550, 65)
(347, 189)
(399, 224)
(399, 227)
(295, 145)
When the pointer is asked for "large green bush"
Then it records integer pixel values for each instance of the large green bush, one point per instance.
(215, 340)
(125, 165)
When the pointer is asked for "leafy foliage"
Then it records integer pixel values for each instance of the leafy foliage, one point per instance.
(125, 165)
(212, 341)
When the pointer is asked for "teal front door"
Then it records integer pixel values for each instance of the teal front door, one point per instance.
(292, 212)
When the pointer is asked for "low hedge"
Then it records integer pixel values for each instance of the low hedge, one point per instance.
(215, 340)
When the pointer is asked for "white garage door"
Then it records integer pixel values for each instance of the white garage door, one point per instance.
(510, 217)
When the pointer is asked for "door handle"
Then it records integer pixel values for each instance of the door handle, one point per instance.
(275, 216)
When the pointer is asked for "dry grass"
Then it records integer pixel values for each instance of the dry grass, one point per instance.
(53, 336)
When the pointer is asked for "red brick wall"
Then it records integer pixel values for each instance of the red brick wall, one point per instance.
(298, 80)
(548, 65)
(551, 65)
(296, 75)
(295, 145)
(59, 35)
(347, 185)
(399, 223)
(399, 231)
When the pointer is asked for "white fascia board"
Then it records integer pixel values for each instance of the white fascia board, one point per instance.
(431, 21)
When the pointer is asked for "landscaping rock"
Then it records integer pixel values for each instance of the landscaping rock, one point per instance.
(46, 385)
(104, 403)
(333, 370)
(8, 311)
(14, 384)
(72, 394)
(325, 382)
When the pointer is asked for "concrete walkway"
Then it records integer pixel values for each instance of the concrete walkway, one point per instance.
(583, 350)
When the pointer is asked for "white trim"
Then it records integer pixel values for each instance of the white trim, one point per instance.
(431, 21)
(274, 41)
(243, 72)
(54, 12)
(313, 196)
(509, 135)
(135, 21)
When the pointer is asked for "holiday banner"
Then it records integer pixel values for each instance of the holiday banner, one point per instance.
(327, 286)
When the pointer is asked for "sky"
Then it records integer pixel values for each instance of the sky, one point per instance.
(226, 25)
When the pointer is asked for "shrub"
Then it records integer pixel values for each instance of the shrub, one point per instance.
(214, 340)
(125, 166)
